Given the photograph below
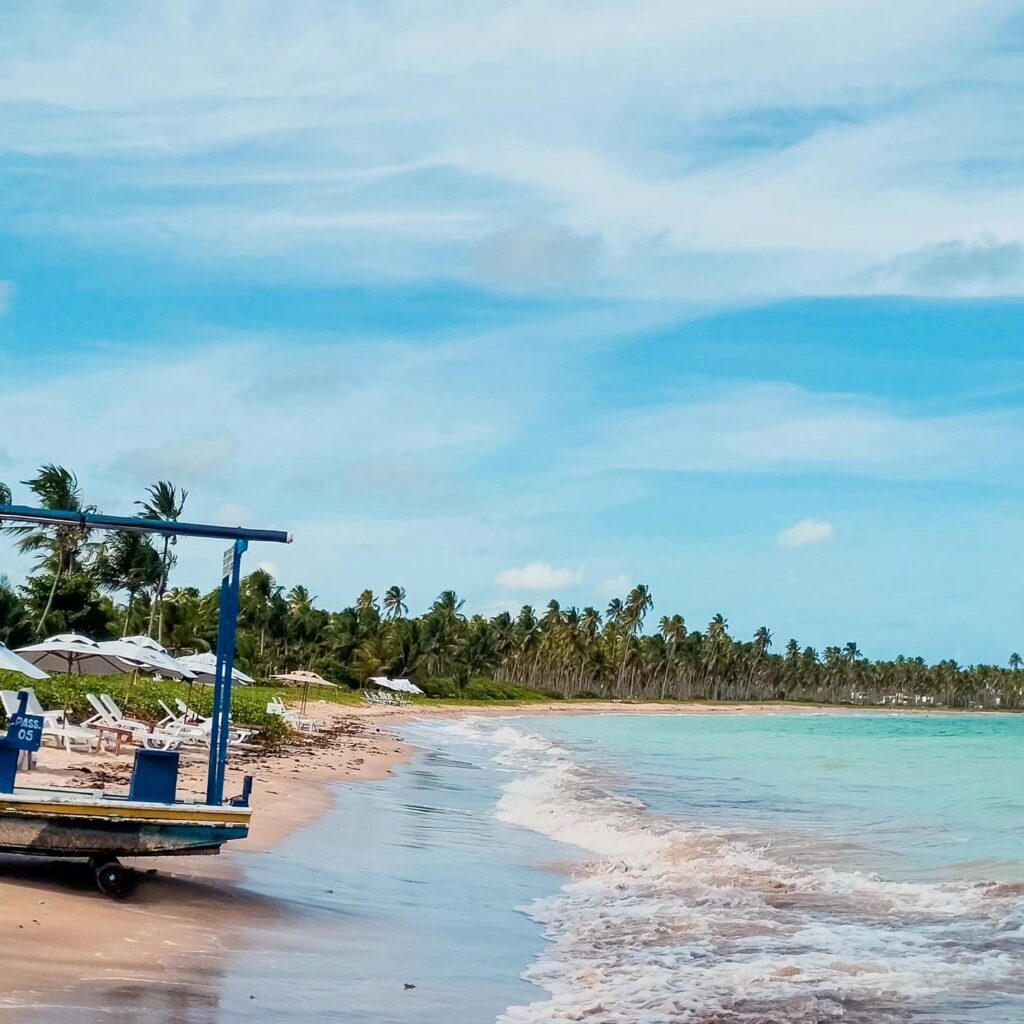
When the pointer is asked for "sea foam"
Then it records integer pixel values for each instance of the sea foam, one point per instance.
(668, 920)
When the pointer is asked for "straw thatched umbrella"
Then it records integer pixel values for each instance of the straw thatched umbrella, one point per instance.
(307, 679)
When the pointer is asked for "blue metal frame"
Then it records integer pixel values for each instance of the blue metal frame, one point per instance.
(226, 629)
(165, 527)
(229, 601)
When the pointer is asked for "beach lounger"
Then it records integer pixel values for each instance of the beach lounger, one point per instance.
(56, 727)
(276, 706)
(197, 728)
(108, 714)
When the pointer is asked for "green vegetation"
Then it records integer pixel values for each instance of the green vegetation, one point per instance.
(106, 587)
(140, 698)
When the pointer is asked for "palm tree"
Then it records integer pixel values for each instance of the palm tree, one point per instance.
(1016, 661)
(258, 591)
(673, 629)
(394, 603)
(448, 603)
(5, 494)
(166, 502)
(129, 562)
(55, 488)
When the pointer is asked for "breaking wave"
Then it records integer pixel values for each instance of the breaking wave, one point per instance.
(669, 921)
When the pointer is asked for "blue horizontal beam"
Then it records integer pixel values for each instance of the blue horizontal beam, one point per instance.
(166, 528)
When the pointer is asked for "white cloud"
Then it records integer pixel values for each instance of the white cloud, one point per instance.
(237, 515)
(193, 458)
(780, 428)
(538, 576)
(983, 267)
(535, 256)
(450, 139)
(807, 531)
(295, 433)
(617, 586)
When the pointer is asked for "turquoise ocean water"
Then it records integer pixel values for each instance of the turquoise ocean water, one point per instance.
(628, 869)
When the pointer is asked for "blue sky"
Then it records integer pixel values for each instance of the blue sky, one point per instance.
(533, 299)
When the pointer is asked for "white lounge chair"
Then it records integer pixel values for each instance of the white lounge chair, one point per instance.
(191, 719)
(110, 715)
(276, 706)
(55, 724)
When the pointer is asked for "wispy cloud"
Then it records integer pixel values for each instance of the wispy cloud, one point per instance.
(615, 586)
(780, 428)
(983, 267)
(538, 576)
(807, 531)
(193, 458)
(483, 142)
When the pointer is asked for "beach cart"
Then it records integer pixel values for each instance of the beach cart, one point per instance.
(150, 821)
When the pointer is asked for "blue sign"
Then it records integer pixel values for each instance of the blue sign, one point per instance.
(25, 732)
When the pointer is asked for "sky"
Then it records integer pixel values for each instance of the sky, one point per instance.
(533, 299)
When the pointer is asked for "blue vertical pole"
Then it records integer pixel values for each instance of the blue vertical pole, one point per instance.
(220, 730)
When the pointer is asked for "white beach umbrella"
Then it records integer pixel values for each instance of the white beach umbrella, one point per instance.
(406, 686)
(155, 654)
(142, 659)
(204, 667)
(11, 662)
(72, 653)
(398, 685)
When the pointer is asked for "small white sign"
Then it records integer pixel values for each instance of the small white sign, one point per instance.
(229, 564)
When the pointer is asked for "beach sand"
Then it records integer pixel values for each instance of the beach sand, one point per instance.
(58, 932)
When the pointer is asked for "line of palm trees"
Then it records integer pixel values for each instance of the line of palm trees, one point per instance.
(71, 564)
(562, 650)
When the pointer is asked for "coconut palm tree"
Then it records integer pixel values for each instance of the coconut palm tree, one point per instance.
(673, 629)
(258, 591)
(60, 547)
(448, 603)
(166, 502)
(129, 562)
(394, 603)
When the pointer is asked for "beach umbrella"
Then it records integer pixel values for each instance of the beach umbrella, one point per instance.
(397, 685)
(204, 668)
(72, 653)
(11, 662)
(156, 655)
(306, 679)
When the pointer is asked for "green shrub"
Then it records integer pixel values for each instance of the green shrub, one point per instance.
(441, 687)
(140, 698)
(489, 689)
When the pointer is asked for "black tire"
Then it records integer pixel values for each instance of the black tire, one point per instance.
(113, 879)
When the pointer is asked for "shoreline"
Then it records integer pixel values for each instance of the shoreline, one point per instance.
(58, 934)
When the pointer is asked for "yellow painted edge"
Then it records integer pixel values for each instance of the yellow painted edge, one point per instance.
(133, 813)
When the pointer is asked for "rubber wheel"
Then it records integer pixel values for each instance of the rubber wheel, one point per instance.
(113, 879)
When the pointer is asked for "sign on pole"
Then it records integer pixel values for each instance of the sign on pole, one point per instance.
(229, 564)
(25, 732)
